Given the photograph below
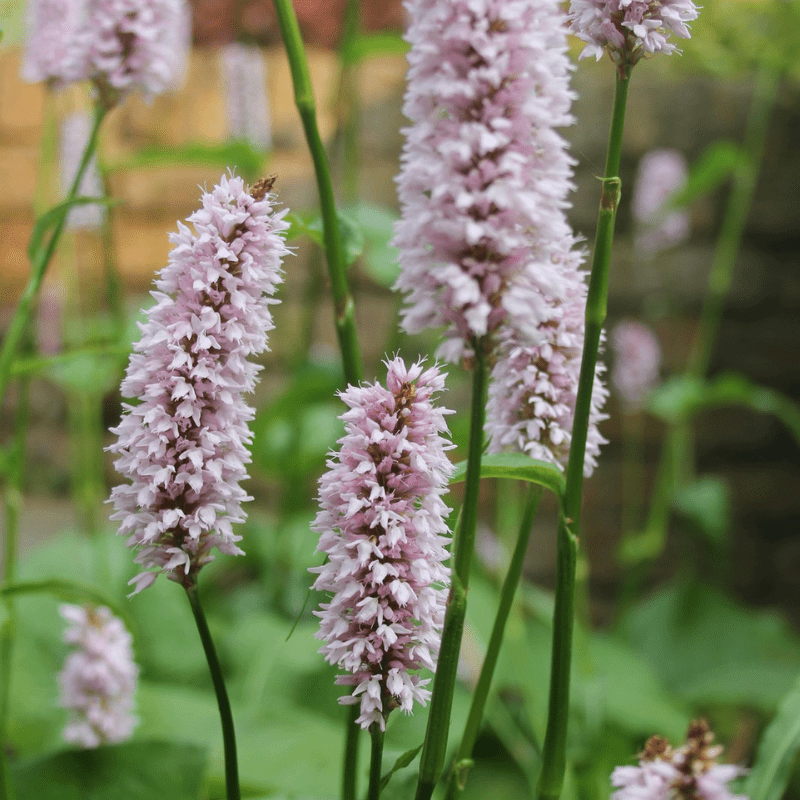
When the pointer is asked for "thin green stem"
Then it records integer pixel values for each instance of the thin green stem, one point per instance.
(41, 260)
(344, 308)
(350, 766)
(435, 747)
(551, 778)
(376, 757)
(481, 695)
(226, 717)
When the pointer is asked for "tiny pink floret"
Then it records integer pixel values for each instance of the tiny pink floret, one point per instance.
(184, 445)
(382, 526)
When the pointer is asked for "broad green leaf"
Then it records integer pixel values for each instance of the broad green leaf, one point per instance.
(239, 154)
(131, 771)
(402, 762)
(311, 224)
(53, 217)
(706, 503)
(516, 466)
(380, 258)
(713, 168)
(777, 751)
(684, 396)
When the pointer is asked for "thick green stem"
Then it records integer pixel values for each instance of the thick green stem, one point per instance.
(41, 260)
(226, 717)
(350, 766)
(460, 772)
(738, 207)
(344, 308)
(435, 747)
(551, 779)
(376, 757)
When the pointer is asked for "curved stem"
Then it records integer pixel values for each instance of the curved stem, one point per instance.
(226, 717)
(41, 260)
(435, 747)
(304, 100)
(481, 694)
(551, 778)
(376, 757)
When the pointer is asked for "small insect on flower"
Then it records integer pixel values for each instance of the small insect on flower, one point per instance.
(382, 526)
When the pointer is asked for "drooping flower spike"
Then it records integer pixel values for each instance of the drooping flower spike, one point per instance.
(184, 446)
(630, 29)
(689, 772)
(483, 172)
(119, 45)
(382, 526)
(98, 682)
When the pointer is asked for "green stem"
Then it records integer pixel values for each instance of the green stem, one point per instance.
(350, 766)
(481, 694)
(435, 747)
(344, 307)
(41, 260)
(376, 756)
(226, 717)
(551, 778)
(738, 207)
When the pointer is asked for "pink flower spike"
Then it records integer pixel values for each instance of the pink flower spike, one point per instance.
(637, 361)
(98, 682)
(382, 527)
(630, 29)
(184, 446)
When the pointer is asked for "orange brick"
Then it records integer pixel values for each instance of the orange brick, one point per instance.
(21, 103)
(18, 165)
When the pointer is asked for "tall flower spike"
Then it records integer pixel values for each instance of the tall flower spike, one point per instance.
(689, 772)
(119, 45)
(98, 682)
(637, 360)
(184, 447)
(630, 29)
(533, 388)
(382, 526)
(483, 173)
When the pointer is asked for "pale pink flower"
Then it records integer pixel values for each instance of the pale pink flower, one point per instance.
(382, 526)
(184, 446)
(637, 361)
(119, 45)
(484, 174)
(689, 772)
(661, 173)
(98, 682)
(630, 29)
(247, 109)
(75, 131)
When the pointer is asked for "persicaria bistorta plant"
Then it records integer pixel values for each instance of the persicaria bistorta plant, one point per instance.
(184, 446)
(689, 772)
(119, 45)
(382, 526)
(98, 682)
(637, 361)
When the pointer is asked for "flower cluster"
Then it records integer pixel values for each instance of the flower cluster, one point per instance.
(630, 29)
(661, 173)
(184, 446)
(120, 45)
(689, 772)
(382, 526)
(98, 682)
(637, 360)
(484, 175)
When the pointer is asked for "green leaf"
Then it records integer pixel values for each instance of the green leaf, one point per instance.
(53, 217)
(684, 396)
(131, 771)
(310, 224)
(714, 166)
(706, 503)
(239, 154)
(70, 591)
(403, 761)
(516, 466)
(380, 258)
(371, 44)
(777, 751)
